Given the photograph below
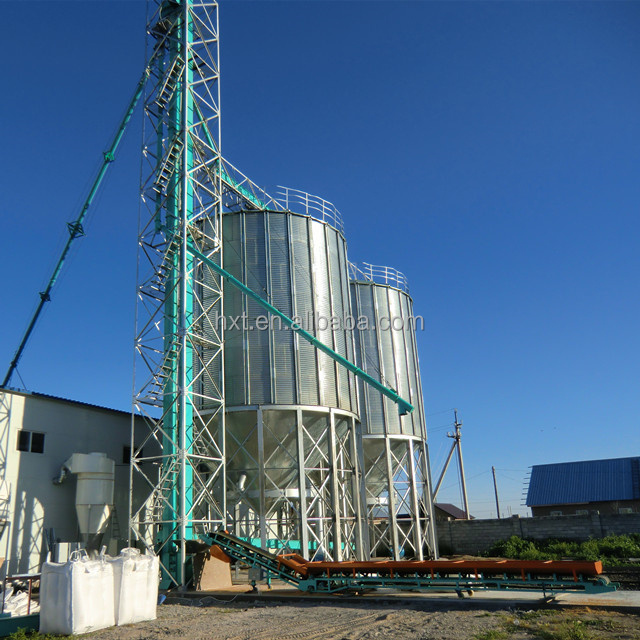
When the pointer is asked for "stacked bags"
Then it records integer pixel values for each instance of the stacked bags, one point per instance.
(16, 603)
(85, 595)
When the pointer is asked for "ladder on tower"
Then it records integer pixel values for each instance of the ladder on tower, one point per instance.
(168, 165)
(171, 79)
(115, 524)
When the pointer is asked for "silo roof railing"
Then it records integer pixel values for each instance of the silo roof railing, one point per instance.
(363, 271)
(316, 207)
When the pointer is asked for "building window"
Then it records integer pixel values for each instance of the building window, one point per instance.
(126, 453)
(625, 510)
(582, 512)
(30, 441)
(555, 513)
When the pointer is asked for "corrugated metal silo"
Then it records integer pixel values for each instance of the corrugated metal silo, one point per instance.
(397, 486)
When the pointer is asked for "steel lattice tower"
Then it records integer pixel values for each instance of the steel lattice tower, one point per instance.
(179, 388)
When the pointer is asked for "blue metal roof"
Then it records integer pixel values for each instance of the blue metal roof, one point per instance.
(581, 482)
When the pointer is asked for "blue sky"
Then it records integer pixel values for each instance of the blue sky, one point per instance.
(490, 151)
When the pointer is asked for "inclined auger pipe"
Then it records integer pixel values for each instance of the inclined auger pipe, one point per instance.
(404, 407)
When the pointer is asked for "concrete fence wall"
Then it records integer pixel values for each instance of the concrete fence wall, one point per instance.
(475, 536)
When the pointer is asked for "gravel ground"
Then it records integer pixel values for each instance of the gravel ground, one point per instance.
(627, 577)
(368, 620)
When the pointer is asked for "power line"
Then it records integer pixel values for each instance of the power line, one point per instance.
(437, 413)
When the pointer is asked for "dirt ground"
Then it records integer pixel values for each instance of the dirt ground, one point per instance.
(215, 620)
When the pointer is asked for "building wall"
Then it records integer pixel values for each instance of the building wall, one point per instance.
(610, 507)
(476, 536)
(35, 503)
(442, 515)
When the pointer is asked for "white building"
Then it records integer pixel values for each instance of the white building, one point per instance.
(38, 433)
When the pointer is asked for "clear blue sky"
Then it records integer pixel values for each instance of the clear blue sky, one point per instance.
(490, 151)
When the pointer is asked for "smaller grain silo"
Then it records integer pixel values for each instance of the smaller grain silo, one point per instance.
(397, 485)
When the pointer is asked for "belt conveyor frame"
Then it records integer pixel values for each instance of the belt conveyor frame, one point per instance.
(460, 576)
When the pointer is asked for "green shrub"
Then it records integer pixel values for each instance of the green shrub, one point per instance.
(611, 550)
(626, 546)
(513, 547)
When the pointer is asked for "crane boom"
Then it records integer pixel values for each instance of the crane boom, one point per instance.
(404, 407)
(75, 227)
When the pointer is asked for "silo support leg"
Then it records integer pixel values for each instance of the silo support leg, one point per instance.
(335, 491)
(303, 523)
(261, 476)
(393, 521)
(417, 529)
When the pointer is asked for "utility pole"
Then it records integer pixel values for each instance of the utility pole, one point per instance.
(495, 488)
(456, 437)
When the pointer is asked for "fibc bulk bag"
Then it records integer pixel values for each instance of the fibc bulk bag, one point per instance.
(76, 596)
(136, 579)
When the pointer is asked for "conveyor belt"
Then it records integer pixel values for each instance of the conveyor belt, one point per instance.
(461, 576)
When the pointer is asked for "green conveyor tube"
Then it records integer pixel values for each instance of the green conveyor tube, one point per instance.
(404, 407)
(75, 227)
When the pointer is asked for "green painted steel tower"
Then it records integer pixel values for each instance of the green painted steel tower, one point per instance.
(180, 463)
(178, 448)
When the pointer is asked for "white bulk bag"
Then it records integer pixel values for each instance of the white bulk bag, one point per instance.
(136, 579)
(76, 596)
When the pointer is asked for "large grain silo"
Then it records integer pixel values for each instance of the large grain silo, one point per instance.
(395, 462)
(291, 411)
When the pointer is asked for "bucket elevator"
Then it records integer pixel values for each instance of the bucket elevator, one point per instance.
(179, 351)
(257, 430)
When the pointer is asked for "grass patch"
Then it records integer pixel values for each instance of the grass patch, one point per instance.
(21, 634)
(602, 625)
(553, 624)
(493, 634)
(572, 630)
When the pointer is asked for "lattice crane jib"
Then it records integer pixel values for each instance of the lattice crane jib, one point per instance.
(179, 394)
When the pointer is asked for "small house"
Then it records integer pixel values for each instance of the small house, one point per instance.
(579, 488)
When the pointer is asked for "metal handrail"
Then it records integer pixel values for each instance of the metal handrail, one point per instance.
(316, 207)
(378, 274)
